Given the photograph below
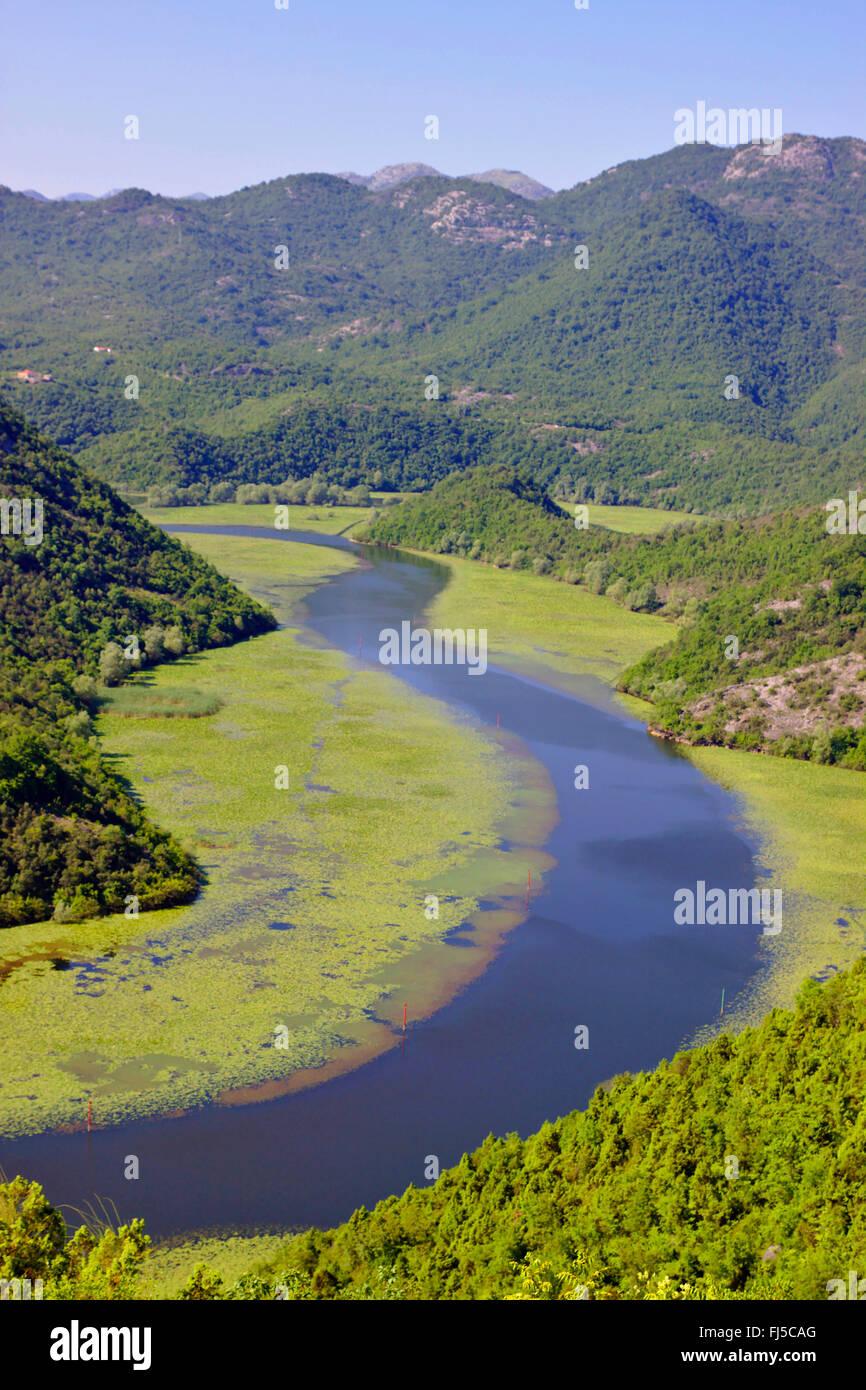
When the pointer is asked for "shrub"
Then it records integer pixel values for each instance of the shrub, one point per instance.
(80, 724)
(153, 643)
(174, 641)
(112, 664)
(596, 575)
(77, 908)
(86, 690)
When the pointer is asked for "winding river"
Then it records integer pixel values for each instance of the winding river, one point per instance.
(598, 948)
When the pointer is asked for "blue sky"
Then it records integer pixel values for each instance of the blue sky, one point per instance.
(232, 92)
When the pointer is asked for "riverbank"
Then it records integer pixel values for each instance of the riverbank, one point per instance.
(806, 821)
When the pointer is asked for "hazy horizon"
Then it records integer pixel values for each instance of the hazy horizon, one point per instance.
(366, 173)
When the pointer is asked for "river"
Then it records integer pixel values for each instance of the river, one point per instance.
(598, 948)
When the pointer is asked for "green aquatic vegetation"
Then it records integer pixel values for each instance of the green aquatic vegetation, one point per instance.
(169, 1264)
(179, 1007)
(809, 823)
(569, 629)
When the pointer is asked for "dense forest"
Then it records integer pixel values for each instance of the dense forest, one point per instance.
(100, 594)
(722, 297)
(687, 1182)
(789, 591)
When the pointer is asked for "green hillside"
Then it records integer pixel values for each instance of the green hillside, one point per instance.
(74, 842)
(813, 183)
(792, 594)
(703, 263)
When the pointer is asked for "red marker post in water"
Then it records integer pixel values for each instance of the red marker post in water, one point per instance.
(404, 1018)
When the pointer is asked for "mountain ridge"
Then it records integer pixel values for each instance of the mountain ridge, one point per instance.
(310, 292)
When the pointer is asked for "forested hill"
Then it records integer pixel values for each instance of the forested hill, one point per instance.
(78, 579)
(789, 592)
(245, 333)
(693, 1174)
(100, 571)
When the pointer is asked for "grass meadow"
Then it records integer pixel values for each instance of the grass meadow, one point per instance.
(635, 521)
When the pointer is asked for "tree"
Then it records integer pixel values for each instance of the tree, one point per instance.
(203, 1285)
(174, 641)
(32, 1233)
(596, 574)
(153, 638)
(112, 664)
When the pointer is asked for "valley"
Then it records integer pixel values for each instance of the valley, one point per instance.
(463, 1068)
(437, 584)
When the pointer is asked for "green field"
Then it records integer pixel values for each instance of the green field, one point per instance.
(313, 912)
(332, 521)
(636, 521)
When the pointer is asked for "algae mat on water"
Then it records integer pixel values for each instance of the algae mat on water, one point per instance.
(315, 902)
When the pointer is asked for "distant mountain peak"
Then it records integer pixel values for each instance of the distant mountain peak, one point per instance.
(390, 175)
(393, 174)
(515, 182)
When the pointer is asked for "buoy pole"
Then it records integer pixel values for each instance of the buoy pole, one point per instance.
(404, 1018)
(89, 1114)
(723, 1002)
